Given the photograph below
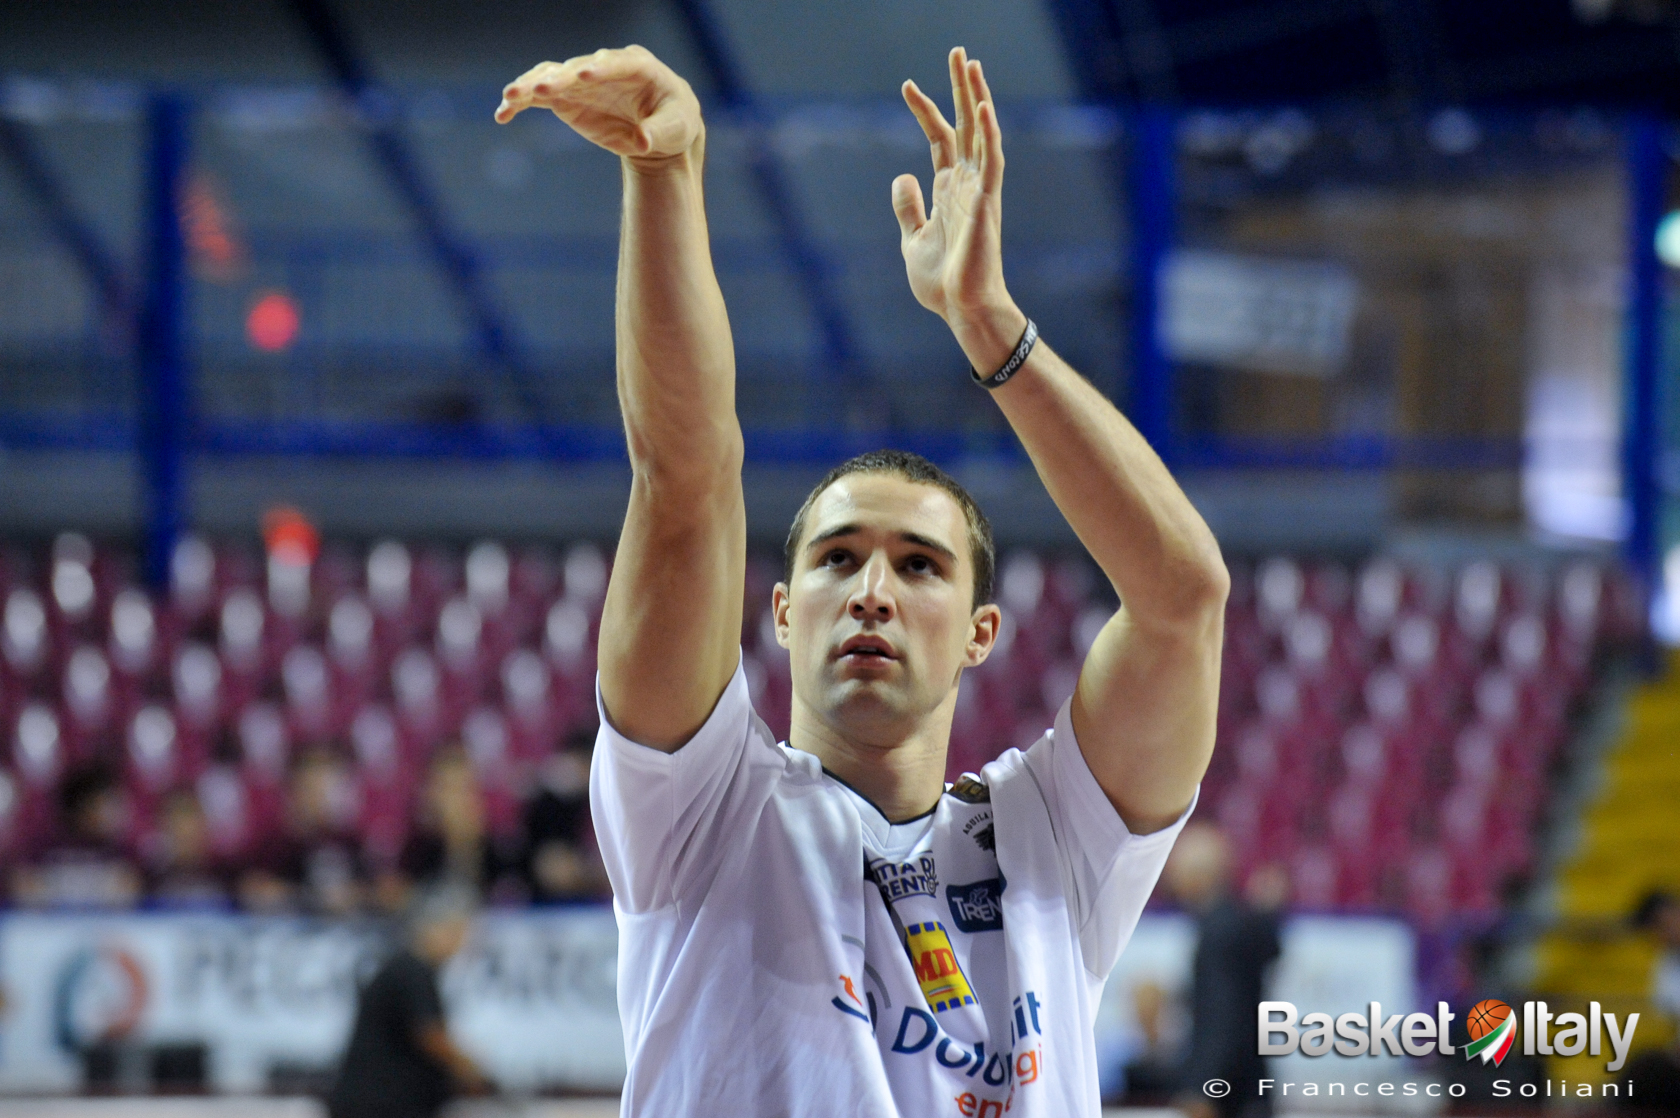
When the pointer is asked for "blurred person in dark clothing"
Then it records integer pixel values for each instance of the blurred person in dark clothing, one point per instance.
(315, 865)
(1142, 1062)
(90, 865)
(1657, 1070)
(181, 871)
(401, 1061)
(451, 840)
(560, 861)
(1235, 944)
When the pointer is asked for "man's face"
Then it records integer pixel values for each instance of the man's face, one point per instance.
(443, 939)
(878, 619)
(1198, 869)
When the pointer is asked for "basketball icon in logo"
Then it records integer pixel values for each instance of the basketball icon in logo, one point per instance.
(1486, 1017)
(1492, 1029)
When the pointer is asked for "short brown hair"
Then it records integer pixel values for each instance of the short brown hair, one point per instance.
(910, 467)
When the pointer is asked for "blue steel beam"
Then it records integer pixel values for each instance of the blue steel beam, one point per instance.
(1096, 35)
(97, 263)
(1149, 198)
(1091, 34)
(164, 407)
(809, 263)
(1647, 169)
(493, 332)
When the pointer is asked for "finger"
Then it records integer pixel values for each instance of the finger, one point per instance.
(991, 149)
(976, 86)
(521, 93)
(961, 106)
(939, 133)
(609, 65)
(515, 100)
(977, 83)
(907, 204)
(546, 82)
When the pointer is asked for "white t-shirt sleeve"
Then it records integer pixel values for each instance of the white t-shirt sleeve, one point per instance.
(662, 819)
(1110, 871)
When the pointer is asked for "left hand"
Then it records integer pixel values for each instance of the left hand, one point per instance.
(954, 255)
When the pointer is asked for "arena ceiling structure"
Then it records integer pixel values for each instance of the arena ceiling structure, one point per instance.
(1416, 52)
(760, 65)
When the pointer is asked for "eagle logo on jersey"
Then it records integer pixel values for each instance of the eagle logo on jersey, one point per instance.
(941, 979)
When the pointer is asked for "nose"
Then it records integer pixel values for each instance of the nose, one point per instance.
(872, 596)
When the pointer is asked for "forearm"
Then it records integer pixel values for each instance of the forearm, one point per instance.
(676, 360)
(1142, 709)
(1113, 488)
(671, 624)
(436, 1042)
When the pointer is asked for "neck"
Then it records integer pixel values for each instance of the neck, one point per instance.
(900, 770)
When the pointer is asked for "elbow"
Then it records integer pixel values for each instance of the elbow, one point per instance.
(1194, 601)
(1213, 581)
(1203, 585)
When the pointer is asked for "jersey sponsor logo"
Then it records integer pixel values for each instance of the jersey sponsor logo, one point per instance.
(937, 972)
(996, 1076)
(856, 1008)
(986, 839)
(977, 907)
(898, 880)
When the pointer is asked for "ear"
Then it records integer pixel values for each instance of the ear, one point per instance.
(983, 633)
(779, 602)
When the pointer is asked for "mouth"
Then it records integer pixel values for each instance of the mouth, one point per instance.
(867, 650)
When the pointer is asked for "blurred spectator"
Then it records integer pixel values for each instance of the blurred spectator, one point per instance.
(181, 871)
(1657, 1071)
(1659, 914)
(1141, 1066)
(1468, 970)
(401, 1062)
(90, 866)
(315, 865)
(560, 860)
(1235, 945)
(450, 840)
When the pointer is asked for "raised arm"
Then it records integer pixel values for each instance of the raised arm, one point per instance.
(671, 629)
(1145, 703)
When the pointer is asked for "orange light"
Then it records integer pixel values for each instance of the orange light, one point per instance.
(215, 247)
(272, 323)
(289, 535)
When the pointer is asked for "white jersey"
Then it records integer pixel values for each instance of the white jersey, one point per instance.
(785, 952)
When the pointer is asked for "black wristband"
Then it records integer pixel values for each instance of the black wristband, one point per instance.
(1029, 338)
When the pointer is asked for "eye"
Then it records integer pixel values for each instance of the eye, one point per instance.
(838, 555)
(921, 565)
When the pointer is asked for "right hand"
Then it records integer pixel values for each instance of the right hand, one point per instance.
(626, 101)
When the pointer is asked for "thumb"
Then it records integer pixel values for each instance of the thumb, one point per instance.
(666, 132)
(907, 204)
